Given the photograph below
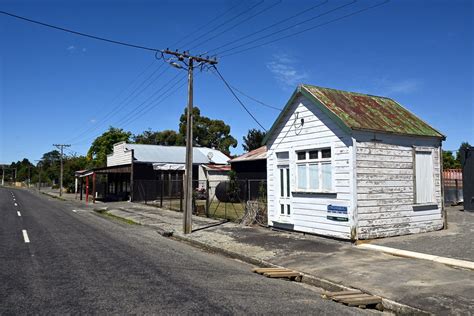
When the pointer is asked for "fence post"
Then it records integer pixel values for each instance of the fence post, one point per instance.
(248, 190)
(181, 196)
(457, 190)
(162, 183)
(207, 197)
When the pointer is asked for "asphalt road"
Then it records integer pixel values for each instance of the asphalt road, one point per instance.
(82, 263)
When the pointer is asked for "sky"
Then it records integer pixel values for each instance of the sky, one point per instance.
(57, 87)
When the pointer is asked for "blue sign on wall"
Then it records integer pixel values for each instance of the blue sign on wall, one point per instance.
(337, 213)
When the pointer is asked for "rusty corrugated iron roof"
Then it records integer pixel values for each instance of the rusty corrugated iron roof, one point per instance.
(256, 154)
(368, 112)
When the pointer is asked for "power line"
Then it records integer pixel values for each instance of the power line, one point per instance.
(289, 27)
(131, 117)
(216, 18)
(237, 24)
(270, 26)
(250, 97)
(235, 96)
(226, 22)
(125, 101)
(80, 33)
(305, 30)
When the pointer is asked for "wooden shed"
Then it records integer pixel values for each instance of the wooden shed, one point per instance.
(352, 166)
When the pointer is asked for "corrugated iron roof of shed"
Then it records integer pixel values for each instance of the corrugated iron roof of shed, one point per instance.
(175, 154)
(256, 154)
(368, 112)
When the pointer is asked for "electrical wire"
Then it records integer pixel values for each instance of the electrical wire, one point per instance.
(237, 24)
(136, 92)
(80, 33)
(214, 19)
(237, 98)
(270, 26)
(226, 22)
(163, 96)
(305, 30)
(288, 27)
(250, 97)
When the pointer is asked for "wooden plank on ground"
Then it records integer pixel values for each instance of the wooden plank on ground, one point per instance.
(285, 274)
(263, 270)
(363, 301)
(330, 294)
(347, 297)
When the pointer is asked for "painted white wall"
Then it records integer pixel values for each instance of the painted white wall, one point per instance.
(119, 156)
(309, 211)
(386, 186)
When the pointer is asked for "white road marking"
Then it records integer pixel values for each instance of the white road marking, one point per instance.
(16, 204)
(25, 236)
(74, 211)
(18, 212)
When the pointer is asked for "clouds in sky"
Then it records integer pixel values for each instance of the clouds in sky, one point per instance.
(285, 71)
(72, 48)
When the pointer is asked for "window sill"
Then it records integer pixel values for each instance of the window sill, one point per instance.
(316, 193)
(425, 207)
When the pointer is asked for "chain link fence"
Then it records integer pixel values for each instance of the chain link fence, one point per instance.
(233, 200)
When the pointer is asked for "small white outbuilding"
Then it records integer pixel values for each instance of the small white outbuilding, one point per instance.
(352, 166)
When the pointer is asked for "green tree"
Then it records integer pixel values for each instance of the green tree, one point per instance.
(458, 155)
(449, 162)
(253, 140)
(166, 138)
(103, 145)
(208, 132)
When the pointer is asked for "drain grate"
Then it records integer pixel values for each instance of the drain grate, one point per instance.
(279, 273)
(355, 298)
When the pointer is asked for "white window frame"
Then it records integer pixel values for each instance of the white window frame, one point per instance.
(319, 161)
(415, 180)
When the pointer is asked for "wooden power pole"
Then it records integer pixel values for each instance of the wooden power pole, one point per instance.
(188, 60)
(61, 147)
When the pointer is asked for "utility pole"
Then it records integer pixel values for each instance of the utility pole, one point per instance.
(61, 147)
(188, 60)
(40, 164)
(3, 176)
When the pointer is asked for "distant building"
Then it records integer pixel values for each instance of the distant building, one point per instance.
(352, 166)
(139, 172)
(251, 165)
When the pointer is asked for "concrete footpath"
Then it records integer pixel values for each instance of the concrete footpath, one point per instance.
(408, 286)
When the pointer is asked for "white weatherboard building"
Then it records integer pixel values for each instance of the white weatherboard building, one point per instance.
(352, 166)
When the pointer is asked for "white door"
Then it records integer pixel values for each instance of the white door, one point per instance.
(284, 192)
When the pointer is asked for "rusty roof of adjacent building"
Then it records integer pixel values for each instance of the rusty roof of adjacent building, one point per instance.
(256, 154)
(357, 111)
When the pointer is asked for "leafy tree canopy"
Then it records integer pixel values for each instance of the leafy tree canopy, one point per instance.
(166, 138)
(253, 140)
(103, 145)
(208, 132)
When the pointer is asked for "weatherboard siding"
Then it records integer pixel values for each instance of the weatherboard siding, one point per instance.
(119, 156)
(385, 186)
(309, 211)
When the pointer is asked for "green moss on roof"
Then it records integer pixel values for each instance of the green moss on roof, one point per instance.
(368, 112)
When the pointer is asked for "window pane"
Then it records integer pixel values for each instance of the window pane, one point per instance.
(326, 153)
(424, 177)
(302, 155)
(327, 176)
(283, 155)
(282, 192)
(282, 208)
(313, 154)
(301, 176)
(288, 182)
(288, 209)
(314, 176)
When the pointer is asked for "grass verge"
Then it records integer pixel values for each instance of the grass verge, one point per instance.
(105, 213)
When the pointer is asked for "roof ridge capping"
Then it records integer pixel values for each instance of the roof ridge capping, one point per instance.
(346, 91)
